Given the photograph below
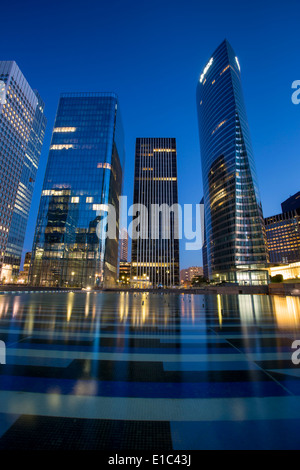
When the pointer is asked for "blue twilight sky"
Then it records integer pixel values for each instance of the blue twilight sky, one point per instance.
(151, 54)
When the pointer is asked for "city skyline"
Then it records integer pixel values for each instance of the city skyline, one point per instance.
(273, 118)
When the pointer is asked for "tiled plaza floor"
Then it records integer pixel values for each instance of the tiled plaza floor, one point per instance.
(149, 371)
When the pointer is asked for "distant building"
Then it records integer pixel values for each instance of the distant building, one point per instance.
(188, 274)
(83, 180)
(124, 273)
(22, 130)
(288, 271)
(124, 245)
(292, 203)
(155, 259)
(23, 275)
(283, 233)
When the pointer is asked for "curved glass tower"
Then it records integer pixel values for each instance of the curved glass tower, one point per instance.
(234, 225)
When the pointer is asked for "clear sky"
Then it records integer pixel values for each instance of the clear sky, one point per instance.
(151, 54)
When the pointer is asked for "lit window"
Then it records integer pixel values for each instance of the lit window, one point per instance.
(165, 178)
(100, 207)
(89, 199)
(238, 64)
(75, 199)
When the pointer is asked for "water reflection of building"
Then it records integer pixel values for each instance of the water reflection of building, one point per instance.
(248, 309)
(235, 237)
(83, 180)
(287, 271)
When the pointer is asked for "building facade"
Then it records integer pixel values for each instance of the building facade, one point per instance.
(234, 225)
(283, 237)
(83, 182)
(22, 130)
(23, 275)
(124, 245)
(155, 251)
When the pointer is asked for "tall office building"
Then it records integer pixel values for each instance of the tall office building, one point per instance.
(283, 232)
(155, 254)
(83, 179)
(22, 129)
(292, 203)
(234, 225)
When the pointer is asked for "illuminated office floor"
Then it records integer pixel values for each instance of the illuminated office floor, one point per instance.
(149, 371)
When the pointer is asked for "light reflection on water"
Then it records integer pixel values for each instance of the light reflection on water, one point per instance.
(91, 311)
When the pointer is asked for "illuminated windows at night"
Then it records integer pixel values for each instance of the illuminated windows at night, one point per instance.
(218, 126)
(64, 129)
(155, 261)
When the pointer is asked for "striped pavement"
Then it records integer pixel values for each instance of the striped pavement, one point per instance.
(148, 371)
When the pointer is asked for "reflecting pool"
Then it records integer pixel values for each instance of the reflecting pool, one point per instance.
(148, 371)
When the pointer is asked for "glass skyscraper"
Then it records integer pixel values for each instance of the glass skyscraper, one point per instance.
(155, 254)
(83, 179)
(22, 130)
(234, 225)
(283, 232)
